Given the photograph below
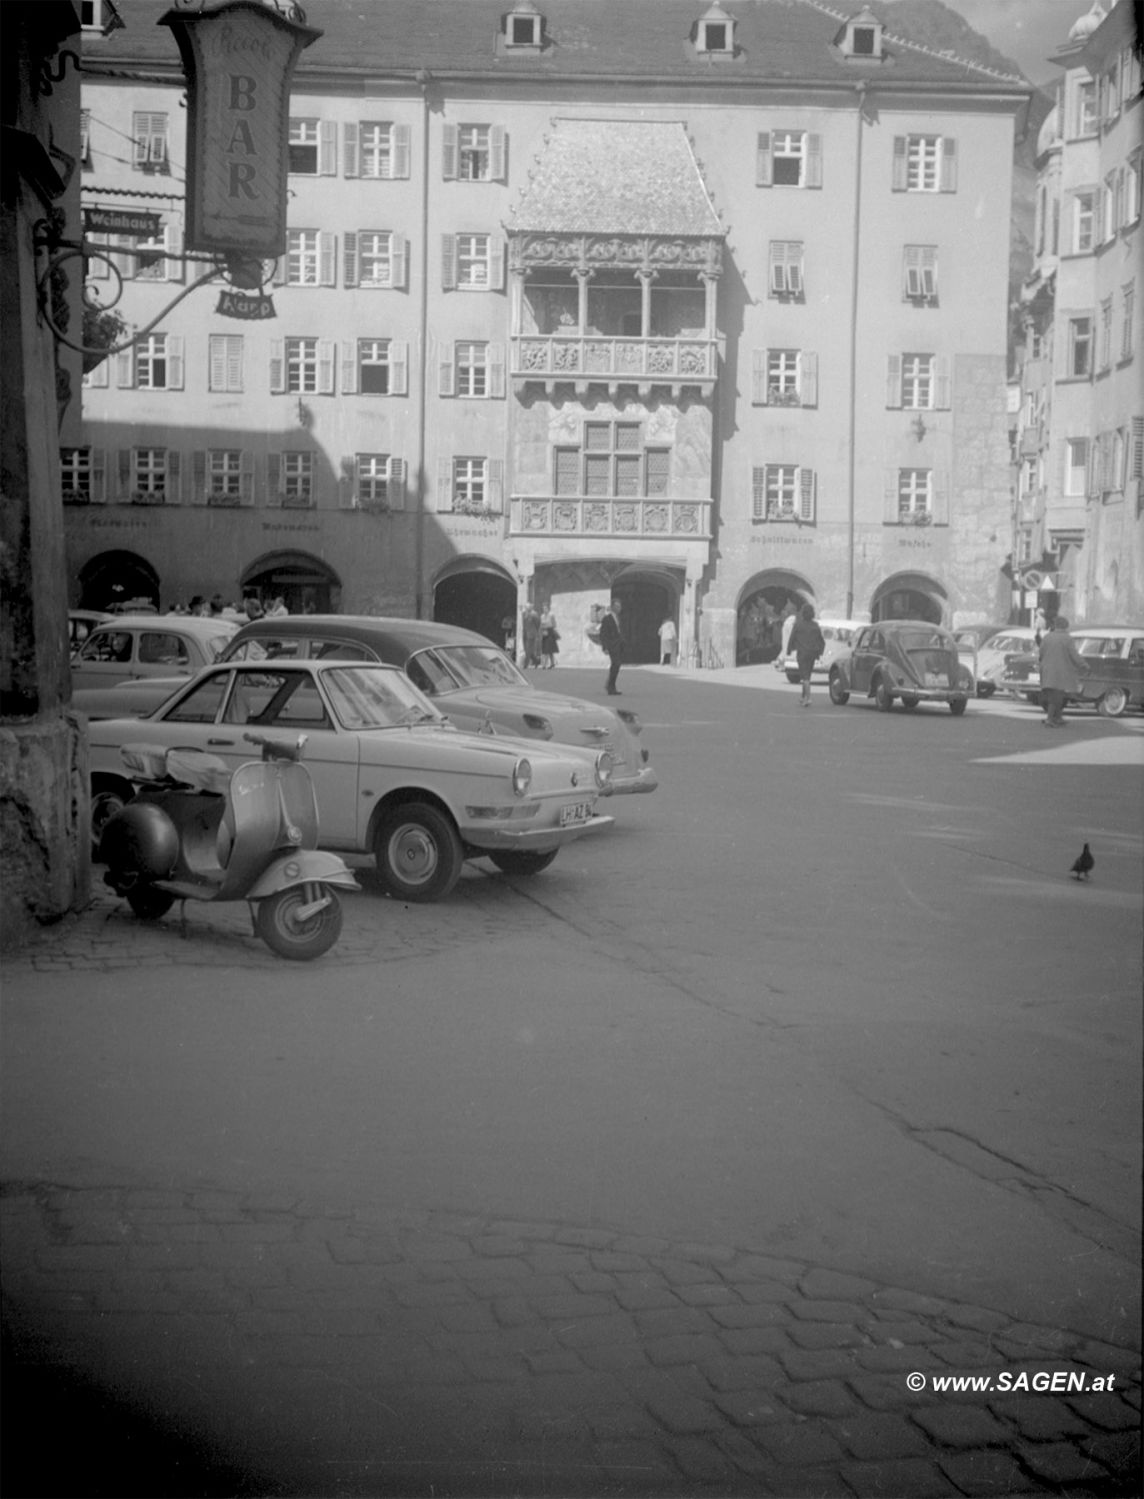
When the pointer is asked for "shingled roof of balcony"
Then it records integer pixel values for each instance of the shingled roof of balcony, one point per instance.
(776, 41)
(617, 177)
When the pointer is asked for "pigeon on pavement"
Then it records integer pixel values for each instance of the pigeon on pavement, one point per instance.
(1083, 865)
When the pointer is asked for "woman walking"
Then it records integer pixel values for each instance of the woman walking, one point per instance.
(808, 643)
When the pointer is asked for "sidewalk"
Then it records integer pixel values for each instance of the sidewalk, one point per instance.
(262, 1345)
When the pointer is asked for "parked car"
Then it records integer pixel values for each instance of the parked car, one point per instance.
(839, 635)
(469, 678)
(1010, 640)
(392, 776)
(907, 660)
(81, 622)
(1115, 678)
(148, 645)
(970, 641)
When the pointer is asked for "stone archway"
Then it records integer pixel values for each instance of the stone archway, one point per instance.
(646, 599)
(119, 580)
(763, 601)
(910, 596)
(306, 584)
(476, 594)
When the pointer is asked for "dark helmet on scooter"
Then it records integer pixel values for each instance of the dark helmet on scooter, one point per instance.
(140, 840)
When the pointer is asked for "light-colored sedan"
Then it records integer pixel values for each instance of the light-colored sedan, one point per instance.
(131, 646)
(839, 636)
(1011, 641)
(392, 776)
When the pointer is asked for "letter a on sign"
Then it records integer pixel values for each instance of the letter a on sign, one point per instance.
(239, 58)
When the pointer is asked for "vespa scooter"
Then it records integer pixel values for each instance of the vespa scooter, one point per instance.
(196, 831)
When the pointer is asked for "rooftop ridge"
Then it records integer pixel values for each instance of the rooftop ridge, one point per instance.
(901, 41)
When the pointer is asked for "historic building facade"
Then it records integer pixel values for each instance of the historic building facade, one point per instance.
(1080, 484)
(700, 307)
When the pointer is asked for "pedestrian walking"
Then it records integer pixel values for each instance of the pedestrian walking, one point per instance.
(668, 640)
(549, 639)
(530, 637)
(808, 643)
(790, 618)
(612, 643)
(1062, 667)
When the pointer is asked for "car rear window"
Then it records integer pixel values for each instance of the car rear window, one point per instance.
(1099, 645)
(924, 640)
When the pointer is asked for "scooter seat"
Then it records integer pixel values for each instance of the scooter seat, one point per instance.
(200, 771)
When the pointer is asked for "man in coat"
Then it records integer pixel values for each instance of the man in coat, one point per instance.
(612, 642)
(1062, 667)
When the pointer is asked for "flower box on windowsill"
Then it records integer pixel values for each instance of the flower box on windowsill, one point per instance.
(297, 502)
(482, 512)
(76, 497)
(918, 518)
(146, 497)
(777, 397)
(376, 505)
(222, 497)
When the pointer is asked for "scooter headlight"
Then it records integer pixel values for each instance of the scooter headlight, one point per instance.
(521, 777)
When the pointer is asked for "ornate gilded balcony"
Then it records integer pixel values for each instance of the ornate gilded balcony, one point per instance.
(657, 518)
(585, 360)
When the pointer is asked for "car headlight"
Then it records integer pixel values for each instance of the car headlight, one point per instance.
(521, 777)
(535, 724)
(604, 767)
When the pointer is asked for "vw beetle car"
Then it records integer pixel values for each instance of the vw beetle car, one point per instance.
(903, 660)
(148, 645)
(839, 636)
(392, 776)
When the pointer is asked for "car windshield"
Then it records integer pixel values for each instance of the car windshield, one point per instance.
(836, 632)
(370, 697)
(925, 640)
(451, 667)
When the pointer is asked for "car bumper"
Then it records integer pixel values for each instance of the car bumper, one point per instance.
(935, 694)
(537, 840)
(644, 780)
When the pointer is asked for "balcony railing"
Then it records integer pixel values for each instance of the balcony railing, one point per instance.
(641, 361)
(659, 519)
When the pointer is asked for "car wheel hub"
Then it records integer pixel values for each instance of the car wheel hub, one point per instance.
(413, 854)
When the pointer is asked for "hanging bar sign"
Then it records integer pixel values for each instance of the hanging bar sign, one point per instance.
(240, 304)
(239, 58)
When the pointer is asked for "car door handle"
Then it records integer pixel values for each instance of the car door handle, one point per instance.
(222, 741)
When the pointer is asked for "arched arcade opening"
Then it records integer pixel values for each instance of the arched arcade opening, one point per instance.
(119, 581)
(646, 599)
(763, 603)
(910, 596)
(305, 584)
(473, 593)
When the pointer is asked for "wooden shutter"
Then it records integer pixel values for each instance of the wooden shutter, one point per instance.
(497, 153)
(217, 362)
(100, 377)
(495, 355)
(807, 494)
(277, 366)
(777, 273)
(448, 262)
(349, 259)
(447, 372)
(496, 264)
(399, 151)
(327, 258)
(350, 166)
(398, 367)
(942, 382)
(894, 380)
(327, 148)
(199, 477)
(98, 475)
(274, 472)
(398, 261)
(813, 176)
(450, 152)
(246, 477)
(175, 362)
(1136, 454)
(126, 466)
(939, 496)
(173, 237)
(890, 515)
(758, 492)
(911, 272)
(947, 180)
(349, 367)
(494, 491)
(395, 484)
(764, 161)
(808, 379)
(899, 171)
(327, 358)
(125, 367)
(174, 488)
(444, 484)
(758, 377)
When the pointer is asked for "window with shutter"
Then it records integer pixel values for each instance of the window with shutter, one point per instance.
(786, 269)
(395, 487)
(303, 144)
(225, 362)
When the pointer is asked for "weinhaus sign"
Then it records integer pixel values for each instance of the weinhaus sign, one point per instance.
(239, 59)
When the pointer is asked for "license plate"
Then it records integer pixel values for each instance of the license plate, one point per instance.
(575, 812)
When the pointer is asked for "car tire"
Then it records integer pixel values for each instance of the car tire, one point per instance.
(883, 695)
(958, 706)
(1113, 703)
(108, 796)
(523, 861)
(910, 702)
(418, 853)
(838, 694)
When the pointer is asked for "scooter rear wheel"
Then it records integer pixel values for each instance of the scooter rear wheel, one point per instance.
(279, 925)
(148, 903)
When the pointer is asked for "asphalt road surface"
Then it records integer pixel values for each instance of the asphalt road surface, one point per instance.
(828, 993)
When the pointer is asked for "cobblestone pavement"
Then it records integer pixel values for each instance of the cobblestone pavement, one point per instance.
(309, 1349)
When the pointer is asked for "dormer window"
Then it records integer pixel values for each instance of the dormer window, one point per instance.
(715, 32)
(524, 26)
(861, 37)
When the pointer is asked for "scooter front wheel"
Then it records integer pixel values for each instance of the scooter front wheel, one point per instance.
(148, 903)
(282, 923)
